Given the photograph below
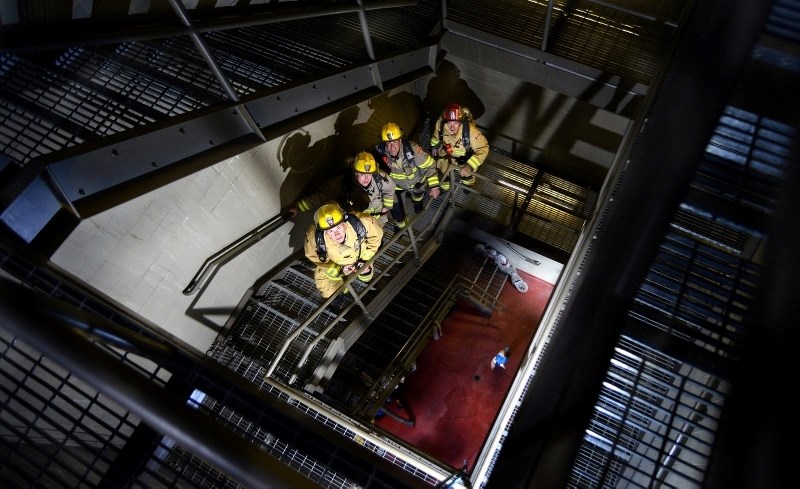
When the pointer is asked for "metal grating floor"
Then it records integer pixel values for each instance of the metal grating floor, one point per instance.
(627, 38)
(52, 102)
(654, 421)
(56, 430)
(698, 294)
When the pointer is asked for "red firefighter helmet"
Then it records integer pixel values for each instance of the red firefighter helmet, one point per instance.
(453, 112)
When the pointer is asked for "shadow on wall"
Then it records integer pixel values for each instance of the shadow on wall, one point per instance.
(309, 163)
(446, 87)
(558, 133)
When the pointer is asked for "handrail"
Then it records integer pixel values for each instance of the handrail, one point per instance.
(473, 292)
(235, 248)
(356, 297)
(398, 364)
(449, 196)
(411, 246)
(54, 328)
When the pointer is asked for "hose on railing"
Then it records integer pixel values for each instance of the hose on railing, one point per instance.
(235, 248)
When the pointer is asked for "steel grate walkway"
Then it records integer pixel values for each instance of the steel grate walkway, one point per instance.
(654, 421)
(50, 102)
(57, 430)
(657, 418)
(626, 38)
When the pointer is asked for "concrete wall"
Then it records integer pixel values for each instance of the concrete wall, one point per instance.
(577, 130)
(143, 253)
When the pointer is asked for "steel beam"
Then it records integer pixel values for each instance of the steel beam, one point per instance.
(141, 27)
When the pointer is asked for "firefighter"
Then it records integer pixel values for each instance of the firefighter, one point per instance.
(338, 244)
(363, 188)
(412, 169)
(456, 142)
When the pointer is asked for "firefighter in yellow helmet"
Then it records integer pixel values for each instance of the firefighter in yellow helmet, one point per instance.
(364, 188)
(457, 143)
(339, 243)
(412, 169)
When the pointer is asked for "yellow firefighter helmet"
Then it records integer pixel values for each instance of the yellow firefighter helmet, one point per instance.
(328, 215)
(365, 163)
(466, 113)
(391, 132)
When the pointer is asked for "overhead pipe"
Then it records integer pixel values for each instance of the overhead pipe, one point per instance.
(362, 18)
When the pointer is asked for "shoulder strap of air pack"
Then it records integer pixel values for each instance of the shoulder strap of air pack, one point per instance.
(361, 232)
(409, 151)
(464, 133)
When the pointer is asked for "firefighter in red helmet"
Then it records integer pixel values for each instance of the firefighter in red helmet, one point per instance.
(457, 142)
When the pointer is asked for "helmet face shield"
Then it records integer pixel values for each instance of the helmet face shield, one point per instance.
(328, 216)
(452, 112)
(391, 132)
(365, 163)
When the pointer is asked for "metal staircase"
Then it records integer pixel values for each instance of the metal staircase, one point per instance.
(295, 336)
(378, 330)
(352, 350)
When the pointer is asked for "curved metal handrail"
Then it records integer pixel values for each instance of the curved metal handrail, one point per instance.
(235, 248)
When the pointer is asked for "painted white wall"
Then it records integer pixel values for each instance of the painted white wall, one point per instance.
(143, 253)
(531, 122)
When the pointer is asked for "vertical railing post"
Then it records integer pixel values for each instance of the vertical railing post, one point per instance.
(547, 21)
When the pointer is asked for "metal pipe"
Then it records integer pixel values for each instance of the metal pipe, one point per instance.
(547, 20)
(362, 18)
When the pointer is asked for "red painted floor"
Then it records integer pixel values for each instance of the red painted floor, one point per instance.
(454, 394)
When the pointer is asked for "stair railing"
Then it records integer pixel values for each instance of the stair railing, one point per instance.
(234, 249)
(430, 326)
(357, 297)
